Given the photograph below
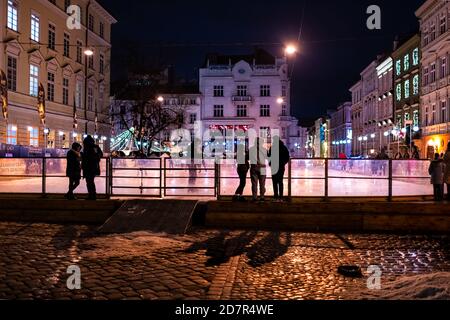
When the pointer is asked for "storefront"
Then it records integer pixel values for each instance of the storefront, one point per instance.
(434, 144)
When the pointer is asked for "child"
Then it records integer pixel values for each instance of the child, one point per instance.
(436, 170)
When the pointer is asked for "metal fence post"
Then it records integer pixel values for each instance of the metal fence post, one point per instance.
(161, 177)
(44, 182)
(217, 174)
(326, 179)
(290, 179)
(390, 181)
(165, 176)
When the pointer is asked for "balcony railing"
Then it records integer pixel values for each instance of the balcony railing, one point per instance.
(324, 178)
(242, 98)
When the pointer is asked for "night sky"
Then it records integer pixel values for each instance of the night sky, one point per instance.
(335, 44)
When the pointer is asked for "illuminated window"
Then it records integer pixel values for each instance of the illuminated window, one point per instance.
(398, 67)
(415, 55)
(34, 136)
(398, 92)
(12, 15)
(34, 80)
(416, 85)
(406, 62)
(12, 134)
(34, 27)
(416, 118)
(407, 89)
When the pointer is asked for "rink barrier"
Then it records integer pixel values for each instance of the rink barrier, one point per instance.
(164, 177)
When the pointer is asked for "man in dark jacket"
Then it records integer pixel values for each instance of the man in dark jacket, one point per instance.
(279, 158)
(73, 170)
(243, 166)
(91, 156)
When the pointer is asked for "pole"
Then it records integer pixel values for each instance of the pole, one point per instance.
(86, 69)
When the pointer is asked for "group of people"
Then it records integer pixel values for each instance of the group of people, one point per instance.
(255, 160)
(83, 161)
(440, 174)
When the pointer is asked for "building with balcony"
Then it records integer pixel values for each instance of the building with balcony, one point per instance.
(407, 79)
(39, 48)
(385, 105)
(435, 89)
(341, 136)
(356, 118)
(247, 92)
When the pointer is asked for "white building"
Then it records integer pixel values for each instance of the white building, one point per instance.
(247, 92)
(385, 116)
(369, 110)
(435, 93)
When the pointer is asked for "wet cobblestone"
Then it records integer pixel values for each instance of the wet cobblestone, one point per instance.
(205, 264)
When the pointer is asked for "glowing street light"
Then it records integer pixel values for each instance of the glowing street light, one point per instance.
(290, 50)
(160, 99)
(280, 100)
(89, 52)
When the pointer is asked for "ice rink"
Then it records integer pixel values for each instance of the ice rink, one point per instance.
(135, 177)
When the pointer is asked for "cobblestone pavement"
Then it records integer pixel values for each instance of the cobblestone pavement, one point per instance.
(205, 264)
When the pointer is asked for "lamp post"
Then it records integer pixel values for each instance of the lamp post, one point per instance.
(373, 140)
(360, 139)
(87, 54)
(365, 138)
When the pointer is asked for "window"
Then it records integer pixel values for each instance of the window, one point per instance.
(12, 134)
(407, 89)
(426, 37)
(433, 115)
(433, 73)
(284, 110)
(218, 111)
(398, 67)
(242, 91)
(425, 76)
(416, 118)
(12, 15)
(34, 136)
(264, 132)
(283, 91)
(427, 118)
(101, 96)
(264, 110)
(415, 56)
(34, 80)
(65, 91)
(34, 27)
(91, 22)
(91, 62)
(443, 111)
(241, 111)
(416, 85)
(51, 86)
(12, 73)
(78, 93)
(79, 51)
(432, 32)
(443, 67)
(90, 97)
(265, 91)
(398, 92)
(406, 62)
(66, 45)
(192, 118)
(442, 24)
(102, 64)
(102, 30)
(218, 91)
(51, 36)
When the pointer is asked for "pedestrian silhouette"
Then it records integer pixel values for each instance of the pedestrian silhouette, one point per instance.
(91, 156)
(73, 170)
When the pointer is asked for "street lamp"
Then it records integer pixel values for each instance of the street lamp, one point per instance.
(373, 140)
(280, 100)
(290, 50)
(87, 54)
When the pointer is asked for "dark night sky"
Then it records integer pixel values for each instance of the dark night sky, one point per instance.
(336, 45)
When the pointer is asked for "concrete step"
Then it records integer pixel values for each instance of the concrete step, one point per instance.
(57, 211)
(419, 217)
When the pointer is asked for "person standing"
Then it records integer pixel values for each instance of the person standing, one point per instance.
(73, 169)
(436, 170)
(447, 170)
(91, 156)
(278, 167)
(258, 157)
(243, 166)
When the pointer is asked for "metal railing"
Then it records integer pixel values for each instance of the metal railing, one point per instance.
(324, 178)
